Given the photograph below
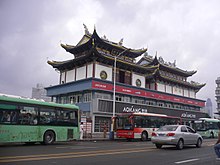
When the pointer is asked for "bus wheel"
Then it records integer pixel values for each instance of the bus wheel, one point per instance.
(49, 137)
(144, 136)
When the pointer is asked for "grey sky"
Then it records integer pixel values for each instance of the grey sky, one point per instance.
(187, 31)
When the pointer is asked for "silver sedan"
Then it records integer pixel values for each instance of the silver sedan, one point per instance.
(178, 135)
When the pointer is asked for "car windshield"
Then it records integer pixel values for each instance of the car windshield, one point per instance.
(168, 128)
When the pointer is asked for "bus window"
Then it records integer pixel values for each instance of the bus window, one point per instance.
(8, 114)
(47, 116)
(28, 115)
(67, 117)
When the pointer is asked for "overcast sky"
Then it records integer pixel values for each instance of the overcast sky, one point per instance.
(31, 31)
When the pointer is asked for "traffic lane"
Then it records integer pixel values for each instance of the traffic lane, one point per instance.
(167, 155)
(125, 153)
(12, 149)
(70, 157)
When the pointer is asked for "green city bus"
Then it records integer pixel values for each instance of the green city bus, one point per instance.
(31, 121)
(207, 127)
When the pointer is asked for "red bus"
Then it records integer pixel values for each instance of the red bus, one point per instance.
(141, 125)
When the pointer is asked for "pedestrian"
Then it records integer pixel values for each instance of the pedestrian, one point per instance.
(217, 144)
(104, 130)
(81, 131)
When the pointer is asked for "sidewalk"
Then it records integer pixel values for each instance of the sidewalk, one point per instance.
(99, 137)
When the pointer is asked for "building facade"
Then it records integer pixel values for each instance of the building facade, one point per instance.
(149, 85)
(217, 94)
(39, 92)
(209, 108)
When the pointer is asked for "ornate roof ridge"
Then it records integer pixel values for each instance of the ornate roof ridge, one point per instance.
(169, 65)
(91, 40)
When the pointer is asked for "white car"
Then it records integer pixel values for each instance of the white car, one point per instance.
(178, 135)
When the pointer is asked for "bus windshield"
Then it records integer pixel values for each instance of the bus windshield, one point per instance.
(123, 122)
(200, 126)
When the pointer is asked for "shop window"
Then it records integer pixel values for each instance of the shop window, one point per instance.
(102, 123)
(118, 98)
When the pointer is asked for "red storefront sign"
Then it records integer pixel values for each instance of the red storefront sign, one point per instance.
(148, 94)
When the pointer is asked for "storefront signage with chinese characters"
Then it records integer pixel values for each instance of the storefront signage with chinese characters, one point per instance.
(132, 109)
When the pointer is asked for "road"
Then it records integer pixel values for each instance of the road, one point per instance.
(106, 153)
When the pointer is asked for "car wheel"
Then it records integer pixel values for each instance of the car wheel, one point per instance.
(158, 146)
(199, 143)
(180, 144)
(144, 136)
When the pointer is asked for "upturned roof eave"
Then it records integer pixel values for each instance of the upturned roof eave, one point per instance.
(59, 64)
(96, 40)
(172, 69)
(157, 74)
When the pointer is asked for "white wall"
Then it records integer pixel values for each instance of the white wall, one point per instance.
(135, 77)
(81, 73)
(161, 87)
(62, 77)
(99, 68)
(168, 89)
(186, 92)
(89, 70)
(192, 94)
(70, 75)
(177, 91)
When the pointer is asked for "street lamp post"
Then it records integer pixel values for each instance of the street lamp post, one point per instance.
(114, 82)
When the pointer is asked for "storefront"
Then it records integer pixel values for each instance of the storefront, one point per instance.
(187, 116)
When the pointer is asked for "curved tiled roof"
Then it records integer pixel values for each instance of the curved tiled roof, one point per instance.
(170, 68)
(157, 74)
(90, 40)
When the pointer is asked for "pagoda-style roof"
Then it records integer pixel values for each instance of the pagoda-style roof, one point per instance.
(95, 54)
(93, 40)
(166, 66)
(158, 75)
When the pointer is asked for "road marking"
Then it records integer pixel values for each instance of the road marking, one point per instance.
(186, 161)
(79, 147)
(70, 155)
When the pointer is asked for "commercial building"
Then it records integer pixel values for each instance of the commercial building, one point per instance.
(208, 108)
(149, 85)
(39, 92)
(217, 94)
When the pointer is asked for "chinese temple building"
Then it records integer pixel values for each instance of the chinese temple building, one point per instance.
(149, 85)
